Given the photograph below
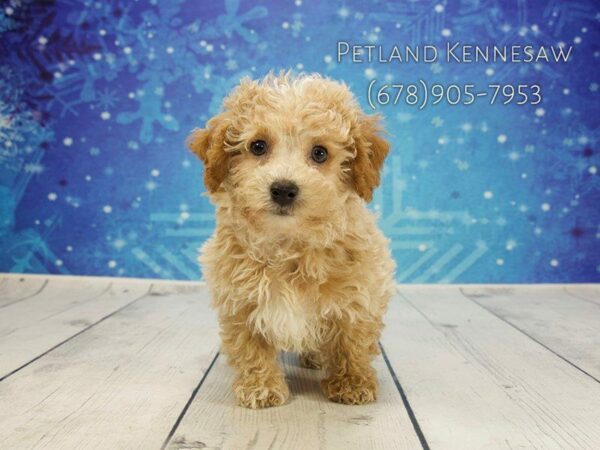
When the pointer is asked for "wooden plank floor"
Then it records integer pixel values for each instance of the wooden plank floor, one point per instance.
(118, 364)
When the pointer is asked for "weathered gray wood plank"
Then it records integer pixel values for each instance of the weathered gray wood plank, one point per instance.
(472, 378)
(14, 289)
(33, 325)
(307, 421)
(474, 381)
(565, 324)
(120, 384)
(586, 292)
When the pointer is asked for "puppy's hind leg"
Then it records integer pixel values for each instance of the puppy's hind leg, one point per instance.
(259, 382)
(311, 360)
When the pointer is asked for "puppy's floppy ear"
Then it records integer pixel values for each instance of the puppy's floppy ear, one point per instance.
(371, 150)
(209, 145)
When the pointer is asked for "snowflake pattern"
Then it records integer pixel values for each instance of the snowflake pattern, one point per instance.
(97, 98)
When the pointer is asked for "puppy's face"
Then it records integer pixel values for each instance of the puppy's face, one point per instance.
(287, 153)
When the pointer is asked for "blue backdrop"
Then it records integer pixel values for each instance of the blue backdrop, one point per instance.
(97, 97)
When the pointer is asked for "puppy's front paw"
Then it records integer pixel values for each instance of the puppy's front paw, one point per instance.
(351, 389)
(257, 392)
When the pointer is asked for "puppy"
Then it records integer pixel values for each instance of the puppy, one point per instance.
(296, 262)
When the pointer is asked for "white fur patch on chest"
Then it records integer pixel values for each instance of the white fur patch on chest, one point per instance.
(286, 319)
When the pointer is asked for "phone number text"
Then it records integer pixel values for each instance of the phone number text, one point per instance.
(422, 94)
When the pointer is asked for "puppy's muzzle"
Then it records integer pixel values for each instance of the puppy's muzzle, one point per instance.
(284, 192)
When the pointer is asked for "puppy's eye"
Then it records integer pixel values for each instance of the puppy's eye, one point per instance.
(319, 154)
(258, 147)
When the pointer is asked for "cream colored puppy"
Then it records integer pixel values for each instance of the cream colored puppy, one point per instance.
(296, 262)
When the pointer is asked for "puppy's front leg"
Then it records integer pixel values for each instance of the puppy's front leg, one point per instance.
(351, 379)
(259, 381)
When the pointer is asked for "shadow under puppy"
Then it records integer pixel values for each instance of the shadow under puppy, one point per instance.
(296, 261)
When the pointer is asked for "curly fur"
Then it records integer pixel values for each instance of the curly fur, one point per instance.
(315, 281)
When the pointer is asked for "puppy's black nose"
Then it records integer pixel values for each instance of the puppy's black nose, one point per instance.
(284, 192)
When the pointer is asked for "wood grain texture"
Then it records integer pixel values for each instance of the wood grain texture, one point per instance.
(121, 384)
(15, 289)
(587, 292)
(308, 420)
(481, 369)
(63, 308)
(476, 382)
(564, 323)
